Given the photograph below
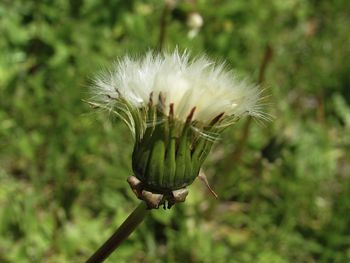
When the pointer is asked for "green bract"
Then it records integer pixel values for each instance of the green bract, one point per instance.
(170, 153)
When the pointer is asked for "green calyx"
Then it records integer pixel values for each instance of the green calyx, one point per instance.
(170, 153)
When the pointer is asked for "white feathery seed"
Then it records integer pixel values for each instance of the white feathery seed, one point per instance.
(186, 83)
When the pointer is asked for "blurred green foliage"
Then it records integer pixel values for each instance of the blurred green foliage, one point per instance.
(284, 190)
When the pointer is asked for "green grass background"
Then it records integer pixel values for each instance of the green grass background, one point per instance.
(283, 192)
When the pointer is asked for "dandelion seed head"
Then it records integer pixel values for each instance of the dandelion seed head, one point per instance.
(186, 83)
(176, 107)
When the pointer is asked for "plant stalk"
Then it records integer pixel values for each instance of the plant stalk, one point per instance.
(128, 226)
(163, 25)
(236, 155)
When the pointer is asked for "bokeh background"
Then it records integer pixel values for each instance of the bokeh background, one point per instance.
(284, 186)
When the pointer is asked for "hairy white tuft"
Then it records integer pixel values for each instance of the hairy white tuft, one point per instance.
(174, 78)
(192, 86)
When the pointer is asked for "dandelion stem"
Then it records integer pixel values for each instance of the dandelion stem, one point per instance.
(128, 226)
(246, 128)
(163, 26)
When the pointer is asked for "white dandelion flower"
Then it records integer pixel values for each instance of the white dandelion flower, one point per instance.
(176, 107)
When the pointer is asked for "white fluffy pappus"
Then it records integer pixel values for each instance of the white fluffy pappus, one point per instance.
(175, 79)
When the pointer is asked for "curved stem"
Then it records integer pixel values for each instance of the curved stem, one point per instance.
(128, 226)
(163, 26)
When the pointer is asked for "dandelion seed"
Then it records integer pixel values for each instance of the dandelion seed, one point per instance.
(176, 107)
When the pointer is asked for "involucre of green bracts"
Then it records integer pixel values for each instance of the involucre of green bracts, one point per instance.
(170, 161)
(169, 156)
